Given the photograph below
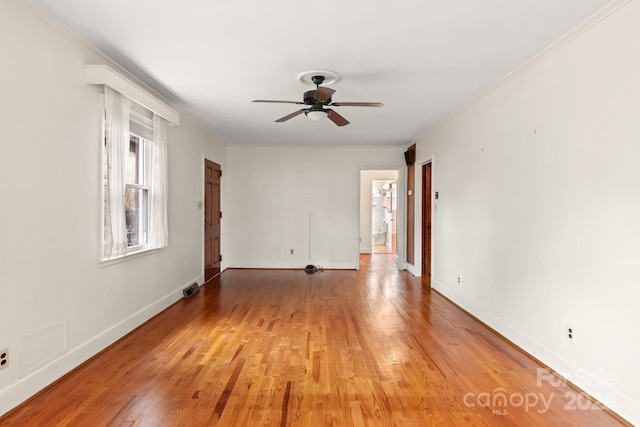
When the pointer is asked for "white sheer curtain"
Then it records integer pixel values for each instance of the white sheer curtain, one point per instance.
(117, 111)
(158, 227)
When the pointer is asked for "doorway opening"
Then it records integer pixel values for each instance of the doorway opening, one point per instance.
(384, 216)
(212, 216)
(381, 213)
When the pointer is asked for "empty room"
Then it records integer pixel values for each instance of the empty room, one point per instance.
(309, 214)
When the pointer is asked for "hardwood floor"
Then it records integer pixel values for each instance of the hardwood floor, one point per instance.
(381, 249)
(285, 348)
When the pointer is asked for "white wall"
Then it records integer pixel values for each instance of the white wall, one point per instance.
(301, 198)
(54, 293)
(539, 208)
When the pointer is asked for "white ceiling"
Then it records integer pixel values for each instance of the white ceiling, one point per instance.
(421, 58)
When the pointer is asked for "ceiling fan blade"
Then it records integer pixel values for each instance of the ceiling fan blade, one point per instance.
(357, 104)
(323, 94)
(336, 118)
(291, 116)
(279, 102)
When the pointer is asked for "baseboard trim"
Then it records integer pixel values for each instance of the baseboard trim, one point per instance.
(293, 265)
(611, 400)
(26, 388)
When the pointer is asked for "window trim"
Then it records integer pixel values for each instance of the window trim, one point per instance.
(149, 146)
(105, 262)
(134, 251)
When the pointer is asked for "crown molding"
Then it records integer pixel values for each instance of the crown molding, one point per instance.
(117, 71)
(581, 28)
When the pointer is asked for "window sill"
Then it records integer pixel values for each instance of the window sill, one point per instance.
(133, 255)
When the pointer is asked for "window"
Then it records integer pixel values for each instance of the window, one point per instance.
(134, 178)
(136, 195)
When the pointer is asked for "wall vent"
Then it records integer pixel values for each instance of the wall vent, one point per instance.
(190, 290)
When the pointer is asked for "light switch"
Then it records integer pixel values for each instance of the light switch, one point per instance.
(199, 205)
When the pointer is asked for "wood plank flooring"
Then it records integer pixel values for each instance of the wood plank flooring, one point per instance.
(382, 249)
(285, 348)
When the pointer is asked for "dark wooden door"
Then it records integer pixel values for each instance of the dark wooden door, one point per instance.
(426, 224)
(212, 216)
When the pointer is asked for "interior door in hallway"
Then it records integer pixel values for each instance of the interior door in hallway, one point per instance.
(212, 217)
(426, 224)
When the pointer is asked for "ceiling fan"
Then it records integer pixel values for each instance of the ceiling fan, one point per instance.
(317, 100)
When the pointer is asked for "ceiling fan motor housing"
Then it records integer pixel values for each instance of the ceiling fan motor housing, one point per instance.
(310, 98)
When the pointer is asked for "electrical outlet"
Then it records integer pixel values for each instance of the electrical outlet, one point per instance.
(291, 251)
(458, 280)
(570, 334)
(4, 358)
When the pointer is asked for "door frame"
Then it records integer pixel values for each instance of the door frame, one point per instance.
(426, 208)
(401, 211)
(202, 205)
(419, 202)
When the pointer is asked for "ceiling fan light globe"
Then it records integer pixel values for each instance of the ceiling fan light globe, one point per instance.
(316, 115)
